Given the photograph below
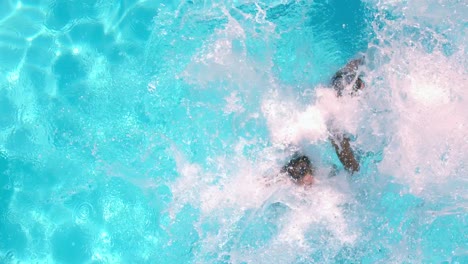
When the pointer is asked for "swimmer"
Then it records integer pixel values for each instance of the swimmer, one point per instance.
(345, 78)
(300, 170)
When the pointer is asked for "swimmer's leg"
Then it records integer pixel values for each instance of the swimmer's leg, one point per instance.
(345, 153)
(345, 77)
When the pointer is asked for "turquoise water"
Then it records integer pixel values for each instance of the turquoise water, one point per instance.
(146, 132)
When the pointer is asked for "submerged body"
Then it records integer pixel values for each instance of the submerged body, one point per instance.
(346, 81)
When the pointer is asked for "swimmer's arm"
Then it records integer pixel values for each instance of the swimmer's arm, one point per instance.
(345, 153)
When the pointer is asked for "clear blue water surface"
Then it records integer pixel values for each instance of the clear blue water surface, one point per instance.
(98, 101)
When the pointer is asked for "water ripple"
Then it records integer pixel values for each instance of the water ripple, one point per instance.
(83, 211)
(8, 257)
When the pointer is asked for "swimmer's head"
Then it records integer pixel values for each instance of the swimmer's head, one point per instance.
(300, 170)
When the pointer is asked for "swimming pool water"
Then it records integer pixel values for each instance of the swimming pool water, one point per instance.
(136, 131)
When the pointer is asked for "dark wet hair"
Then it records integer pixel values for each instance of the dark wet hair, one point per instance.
(298, 167)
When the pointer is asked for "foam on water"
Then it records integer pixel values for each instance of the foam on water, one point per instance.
(239, 201)
(429, 142)
(243, 191)
(423, 92)
(412, 113)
